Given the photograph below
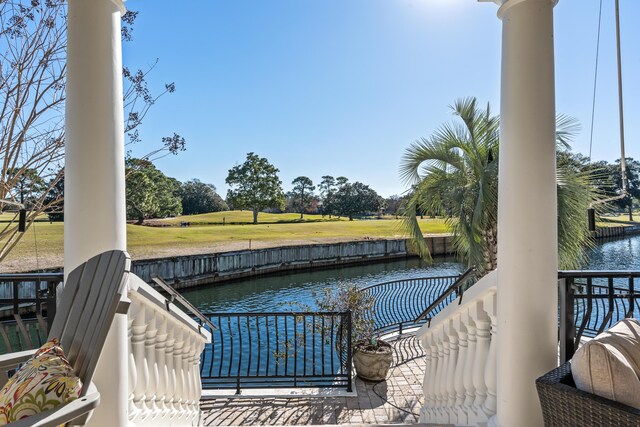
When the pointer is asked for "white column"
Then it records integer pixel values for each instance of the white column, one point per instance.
(94, 171)
(527, 210)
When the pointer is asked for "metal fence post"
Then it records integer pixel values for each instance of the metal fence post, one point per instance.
(51, 303)
(567, 319)
(349, 354)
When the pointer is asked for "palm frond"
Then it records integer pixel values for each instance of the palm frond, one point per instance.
(456, 171)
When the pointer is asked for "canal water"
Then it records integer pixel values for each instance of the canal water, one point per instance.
(273, 293)
(277, 292)
(266, 350)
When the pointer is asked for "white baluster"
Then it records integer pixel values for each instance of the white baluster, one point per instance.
(469, 388)
(451, 370)
(437, 364)
(490, 373)
(195, 367)
(137, 344)
(440, 373)
(430, 382)
(460, 347)
(427, 379)
(163, 375)
(170, 396)
(178, 401)
(461, 415)
(193, 374)
(186, 373)
(483, 325)
(133, 313)
(150, 357)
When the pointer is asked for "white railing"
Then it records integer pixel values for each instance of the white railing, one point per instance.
(164, 360)
(460, 349)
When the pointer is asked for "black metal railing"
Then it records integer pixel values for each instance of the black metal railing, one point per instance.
(455, 290)
(399, 304)
(267, 350)
(27, 309)
(175, 296)
(592, 301)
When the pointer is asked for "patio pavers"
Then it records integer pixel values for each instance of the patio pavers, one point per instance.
(395, 401)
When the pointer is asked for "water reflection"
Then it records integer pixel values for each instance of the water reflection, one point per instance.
(616, 254)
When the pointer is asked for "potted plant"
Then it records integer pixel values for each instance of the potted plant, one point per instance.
(372, 357)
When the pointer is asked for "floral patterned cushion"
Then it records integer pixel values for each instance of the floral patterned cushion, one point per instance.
(42, 383)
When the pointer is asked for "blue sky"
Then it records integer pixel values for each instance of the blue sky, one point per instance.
(342, 87)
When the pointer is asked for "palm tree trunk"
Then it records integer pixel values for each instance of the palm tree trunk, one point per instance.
(491, 248)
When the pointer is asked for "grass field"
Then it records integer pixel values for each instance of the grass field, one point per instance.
(42, 246)
(619, 220)
(244, 217)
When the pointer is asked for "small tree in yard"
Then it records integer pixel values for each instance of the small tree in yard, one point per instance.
(327, 195)
(356, 198)
(255, 185)
(198, 197)
(302, 194)
(150, 193)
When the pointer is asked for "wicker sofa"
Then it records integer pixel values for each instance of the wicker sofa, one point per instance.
(563, 405)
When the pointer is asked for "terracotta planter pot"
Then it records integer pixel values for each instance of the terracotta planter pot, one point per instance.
(373, 365)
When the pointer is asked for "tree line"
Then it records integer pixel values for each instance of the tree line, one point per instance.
(253, 185)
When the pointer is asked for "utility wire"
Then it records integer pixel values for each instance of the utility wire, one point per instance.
(595, 80)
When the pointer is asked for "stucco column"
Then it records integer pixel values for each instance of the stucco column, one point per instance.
(527, 211)
(94, 172)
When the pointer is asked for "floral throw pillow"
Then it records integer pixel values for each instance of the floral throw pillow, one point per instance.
(42, 383)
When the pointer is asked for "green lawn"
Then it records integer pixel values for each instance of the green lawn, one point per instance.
(149, 242)
(245, 217)
(619, 220)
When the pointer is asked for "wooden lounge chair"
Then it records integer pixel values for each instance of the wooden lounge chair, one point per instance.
(90, 300)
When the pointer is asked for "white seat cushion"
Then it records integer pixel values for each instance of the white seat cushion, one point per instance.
(609, 364)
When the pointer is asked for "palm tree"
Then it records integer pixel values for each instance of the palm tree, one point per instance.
(455, 173)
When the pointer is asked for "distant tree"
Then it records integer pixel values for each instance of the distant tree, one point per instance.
(302, 194)
(28, 186)
(341, 180)
(198, 197)
(327, 195)
(255, 185)
(607, 178)
(356, 198)
(394, 204)
(150, 193)
(633, 183)
(55, 200)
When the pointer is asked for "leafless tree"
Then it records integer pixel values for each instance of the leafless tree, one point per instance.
(32, 100)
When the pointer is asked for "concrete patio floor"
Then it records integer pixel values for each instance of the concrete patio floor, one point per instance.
(395, 401)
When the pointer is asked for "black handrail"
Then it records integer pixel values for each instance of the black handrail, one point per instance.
(397, 303)
(591, 301)
(457, 287)
(562, 274)
(175, 295)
